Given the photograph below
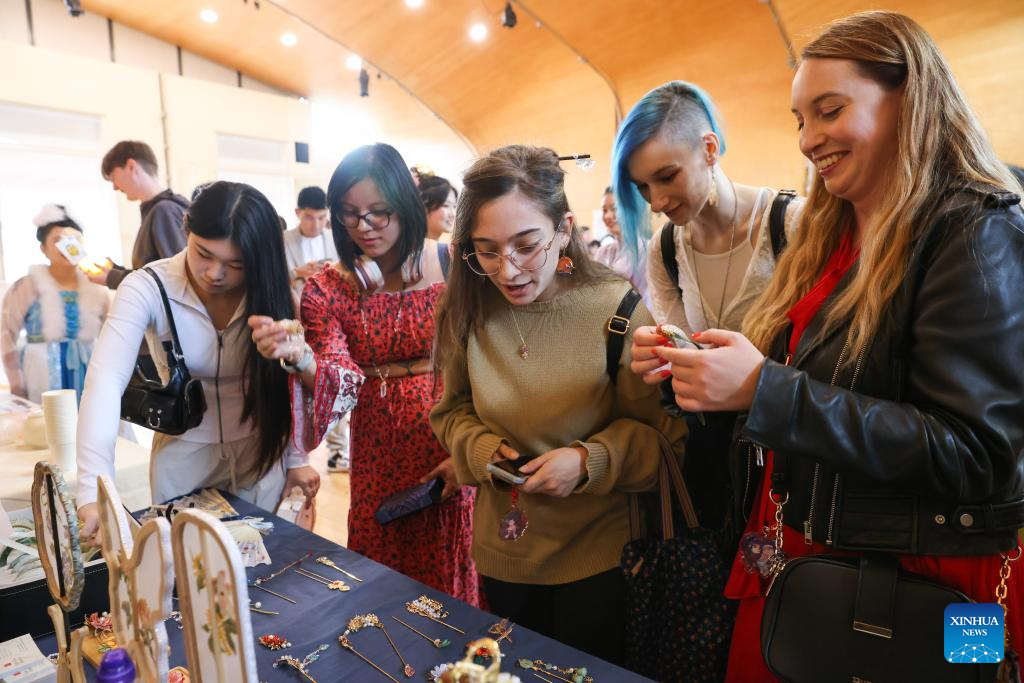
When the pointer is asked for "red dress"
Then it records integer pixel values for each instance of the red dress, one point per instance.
(392, 444)
(976, 577)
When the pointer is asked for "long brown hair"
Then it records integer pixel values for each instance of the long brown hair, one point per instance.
(941, 148)
(533, 172)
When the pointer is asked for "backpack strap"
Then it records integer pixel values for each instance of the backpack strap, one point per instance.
(618, 328)
(668, 254)
(445, 257)
(777, 221)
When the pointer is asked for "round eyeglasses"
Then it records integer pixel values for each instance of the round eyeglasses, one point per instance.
(378, 219)
(530, 257)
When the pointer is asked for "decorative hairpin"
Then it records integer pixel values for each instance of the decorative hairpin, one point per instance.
(301, 666)
(336, 585)
(502, 631)
(583, 161)
(253, 584)
(575, 675)
(431, 609)
(436, 642)
(258, 583)
(274, 642)
(102, 627)
(361, 621)
(327, 561)
(257, 607)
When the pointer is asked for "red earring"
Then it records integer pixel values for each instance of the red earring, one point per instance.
(565, 266)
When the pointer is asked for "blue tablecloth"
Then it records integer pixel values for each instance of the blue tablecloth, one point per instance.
(321, 614)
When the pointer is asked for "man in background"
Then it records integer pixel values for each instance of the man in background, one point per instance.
(308, 248)
(131, 168)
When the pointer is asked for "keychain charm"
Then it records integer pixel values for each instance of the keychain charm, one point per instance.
(512, 525)
(757, 551)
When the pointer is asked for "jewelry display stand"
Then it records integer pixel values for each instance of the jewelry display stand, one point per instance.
(60, 553)
(141, 575)
(214, 599)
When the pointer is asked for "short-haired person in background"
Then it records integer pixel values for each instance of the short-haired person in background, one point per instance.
(612, 253)
(369, 324)
(310, 245)
(309, 248)
(60, 311)
(880, 369)
(524, 353)
(439, 198)
(232, 267)
(132, 169)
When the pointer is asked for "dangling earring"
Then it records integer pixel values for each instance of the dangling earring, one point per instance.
(713, 189)
(565, 266)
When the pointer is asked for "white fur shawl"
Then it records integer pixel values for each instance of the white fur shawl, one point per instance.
(93, 302)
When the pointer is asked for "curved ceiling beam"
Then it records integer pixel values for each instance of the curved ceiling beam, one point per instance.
(409, 91)
(580, 56)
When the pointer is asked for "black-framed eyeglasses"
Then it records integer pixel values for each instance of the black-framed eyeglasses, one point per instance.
(530, 257)
(377, 219)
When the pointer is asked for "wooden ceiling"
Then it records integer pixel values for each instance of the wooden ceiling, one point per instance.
(526, 85)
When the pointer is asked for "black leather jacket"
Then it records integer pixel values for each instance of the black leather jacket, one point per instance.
(926, 456)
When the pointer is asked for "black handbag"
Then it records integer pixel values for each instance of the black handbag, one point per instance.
(679, 623)
(848, 619)
(172, 408)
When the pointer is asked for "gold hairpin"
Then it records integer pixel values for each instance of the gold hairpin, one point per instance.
(327, 561)
(336, 585)
(431, 609)
(436, 642)
(361, 621)
(502, 630)
(253, 584)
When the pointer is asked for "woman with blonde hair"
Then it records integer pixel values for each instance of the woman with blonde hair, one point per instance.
(880, 369)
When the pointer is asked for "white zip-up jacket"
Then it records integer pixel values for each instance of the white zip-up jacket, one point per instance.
(215, 359)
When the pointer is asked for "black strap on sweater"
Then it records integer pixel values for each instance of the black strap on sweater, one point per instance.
(618, 328)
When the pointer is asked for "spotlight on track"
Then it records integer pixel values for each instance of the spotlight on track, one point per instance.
(508, 17)
(364, 83)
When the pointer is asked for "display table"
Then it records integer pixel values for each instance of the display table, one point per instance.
(321, 614)
(17, 463)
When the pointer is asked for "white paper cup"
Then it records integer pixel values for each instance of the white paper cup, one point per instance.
(60, 411)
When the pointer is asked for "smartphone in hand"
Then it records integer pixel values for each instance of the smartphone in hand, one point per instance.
(508, 470)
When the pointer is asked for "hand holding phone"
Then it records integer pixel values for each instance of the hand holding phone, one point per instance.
(508, 471)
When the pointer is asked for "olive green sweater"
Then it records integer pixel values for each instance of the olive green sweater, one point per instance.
(559, 396)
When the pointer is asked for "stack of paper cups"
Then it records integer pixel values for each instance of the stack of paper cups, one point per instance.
(60, 413)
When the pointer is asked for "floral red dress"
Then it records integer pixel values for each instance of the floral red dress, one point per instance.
(975, 576)
(392, 444)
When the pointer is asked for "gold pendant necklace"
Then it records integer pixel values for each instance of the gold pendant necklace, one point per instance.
(728, 263)
(524, 350)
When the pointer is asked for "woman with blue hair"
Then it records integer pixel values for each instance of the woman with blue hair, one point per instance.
(666, 155)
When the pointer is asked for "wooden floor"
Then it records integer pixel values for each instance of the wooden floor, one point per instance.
(332, 502)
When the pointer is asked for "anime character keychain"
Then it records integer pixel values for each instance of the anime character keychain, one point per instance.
(513, 523)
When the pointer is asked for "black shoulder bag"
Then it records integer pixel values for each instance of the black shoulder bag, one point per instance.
(840, 618)
(173, 408)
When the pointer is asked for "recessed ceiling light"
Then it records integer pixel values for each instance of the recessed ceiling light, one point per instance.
(354, 62)
(414, 4)
(477, 32)
(209, 16)
(289, 39)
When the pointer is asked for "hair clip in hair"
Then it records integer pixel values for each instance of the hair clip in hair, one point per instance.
(584, 162)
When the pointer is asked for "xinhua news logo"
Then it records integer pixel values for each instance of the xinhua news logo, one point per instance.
(974, 633)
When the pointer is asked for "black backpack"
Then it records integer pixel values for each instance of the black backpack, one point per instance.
(776, 228)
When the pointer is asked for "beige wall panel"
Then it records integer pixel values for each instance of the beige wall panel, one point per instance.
(128, 99)
(13, 21)
(86, 36)
(142, 50)
(194, 66)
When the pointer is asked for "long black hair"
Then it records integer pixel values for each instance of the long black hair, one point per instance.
(382, 164)
(240, 213)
